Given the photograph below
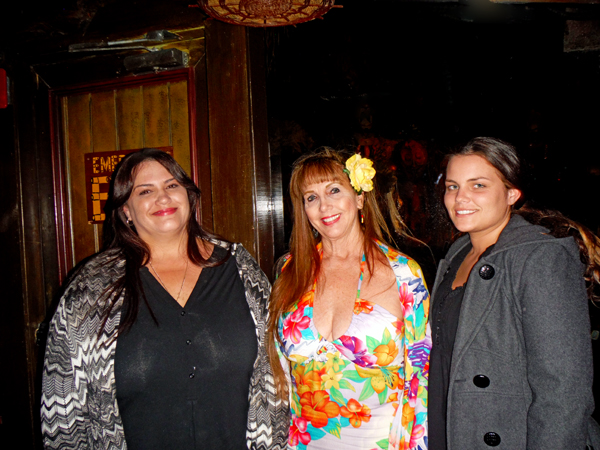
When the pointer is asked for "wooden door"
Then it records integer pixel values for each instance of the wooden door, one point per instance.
(109, 120)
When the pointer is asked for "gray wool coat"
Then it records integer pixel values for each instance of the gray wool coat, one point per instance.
(521, 373)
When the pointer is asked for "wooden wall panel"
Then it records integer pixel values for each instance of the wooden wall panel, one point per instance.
(231, 150)
(102, 122)
(239, 151)
(157, 132)
(180, 124)
(130, 114)
(79, 137)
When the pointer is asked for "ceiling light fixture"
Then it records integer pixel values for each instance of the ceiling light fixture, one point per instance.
(266, 13)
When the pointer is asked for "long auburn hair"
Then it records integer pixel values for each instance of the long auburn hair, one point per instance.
(505, 159)
(124, 241)
(304, 266)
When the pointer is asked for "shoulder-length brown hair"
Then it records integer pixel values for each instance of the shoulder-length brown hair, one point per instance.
(120, 236)
(304, 266)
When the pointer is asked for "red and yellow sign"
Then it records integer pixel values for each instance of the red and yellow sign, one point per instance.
(99, 168)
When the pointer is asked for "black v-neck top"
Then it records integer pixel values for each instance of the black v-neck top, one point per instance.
(184, 383)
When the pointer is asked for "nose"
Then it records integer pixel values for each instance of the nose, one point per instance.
(325, 204)
(163, 197)
(461, 195)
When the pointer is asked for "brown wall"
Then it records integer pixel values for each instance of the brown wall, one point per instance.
(231, 159)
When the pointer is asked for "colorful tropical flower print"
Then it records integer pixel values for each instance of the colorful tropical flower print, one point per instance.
(386, 353)
(368, 388)
(317, 408)
(356, 413)
(293, 325)
(298, 432)
(363, 306)
(355, 350)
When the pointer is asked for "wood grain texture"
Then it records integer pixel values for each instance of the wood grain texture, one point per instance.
(103, 121)
(130, 114)
(180, 123)
(78, 120)
(239, 152)
(229, 124)
(264, 205)
(201, 138)
(157, 130)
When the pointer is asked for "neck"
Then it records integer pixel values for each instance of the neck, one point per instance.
(482, 240)
(166, 249)
(343, 248)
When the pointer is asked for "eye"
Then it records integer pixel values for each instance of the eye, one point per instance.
(451, 187)
(310, 198)
(173, 185)
(335, 190)
(478, 185)
(144, 192)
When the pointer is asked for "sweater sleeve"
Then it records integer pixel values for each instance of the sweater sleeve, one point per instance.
(267, 414)
(556, 327)
(63, 420)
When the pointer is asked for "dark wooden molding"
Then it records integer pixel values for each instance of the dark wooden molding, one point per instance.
(239, 151)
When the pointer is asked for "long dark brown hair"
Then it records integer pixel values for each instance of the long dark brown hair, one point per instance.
(325, 164)
(505, 159)
(123, 240)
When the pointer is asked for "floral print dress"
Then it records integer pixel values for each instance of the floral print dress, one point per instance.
(368, 388)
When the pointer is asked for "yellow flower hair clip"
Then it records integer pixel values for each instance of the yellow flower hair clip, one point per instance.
(360, 171)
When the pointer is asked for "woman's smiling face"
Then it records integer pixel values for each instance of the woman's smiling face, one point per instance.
(332, 208)
(476, 197)
(158, 204)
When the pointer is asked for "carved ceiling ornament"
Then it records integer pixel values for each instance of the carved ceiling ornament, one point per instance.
(266, 13)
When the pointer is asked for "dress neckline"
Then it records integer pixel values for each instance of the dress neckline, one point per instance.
(357, 300)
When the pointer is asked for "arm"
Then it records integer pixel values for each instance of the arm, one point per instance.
(417, 345)
(62, 415)
(558, 351)
(268, 421)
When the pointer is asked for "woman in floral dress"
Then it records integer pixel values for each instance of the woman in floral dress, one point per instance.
(348, 317)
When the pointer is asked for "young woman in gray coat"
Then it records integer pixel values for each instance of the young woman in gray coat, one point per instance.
(511, 364)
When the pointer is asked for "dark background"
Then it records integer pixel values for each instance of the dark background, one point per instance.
(371, 76)
(442, 74)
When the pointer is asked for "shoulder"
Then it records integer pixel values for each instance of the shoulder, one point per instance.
(99, 270)
(400, 262)
(522, 238)
(87, 285)
(247, 265)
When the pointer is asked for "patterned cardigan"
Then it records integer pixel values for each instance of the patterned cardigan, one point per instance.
(79, 406)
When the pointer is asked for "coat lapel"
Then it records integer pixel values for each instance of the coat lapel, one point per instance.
(474, 308)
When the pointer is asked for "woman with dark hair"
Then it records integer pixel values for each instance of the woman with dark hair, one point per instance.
(348, 316)
(511, 363)
(158, 341)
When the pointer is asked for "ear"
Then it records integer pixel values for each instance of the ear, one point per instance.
(360, 200)
(125, 210)
(513, 196)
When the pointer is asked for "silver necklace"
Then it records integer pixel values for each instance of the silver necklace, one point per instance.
(187, 263)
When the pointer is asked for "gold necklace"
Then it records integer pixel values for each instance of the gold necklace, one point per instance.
(187, 263)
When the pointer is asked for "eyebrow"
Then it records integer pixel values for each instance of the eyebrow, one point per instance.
(469, 180)
(326, 186)
(152, 184)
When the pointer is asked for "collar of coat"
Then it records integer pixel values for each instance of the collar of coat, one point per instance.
(516, 233)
